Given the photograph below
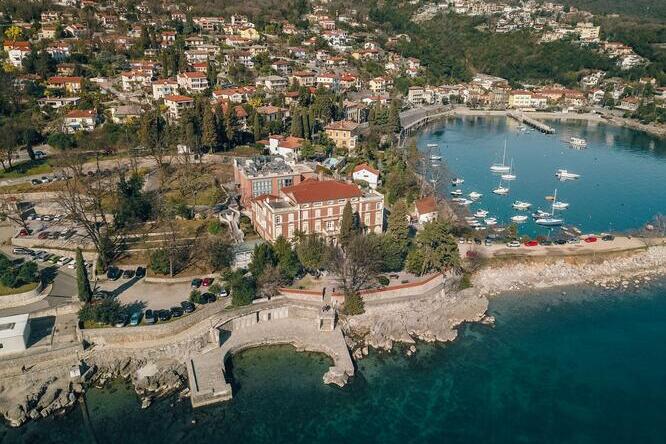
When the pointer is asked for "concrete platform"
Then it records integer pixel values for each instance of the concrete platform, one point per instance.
(206, 371)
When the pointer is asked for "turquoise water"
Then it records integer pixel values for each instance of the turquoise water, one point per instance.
(622, 170)
(588, 366)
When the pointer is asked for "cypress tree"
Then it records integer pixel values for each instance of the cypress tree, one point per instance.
(307, 131)
(83, 284)
(346, 225)
(230, 124)
(297, 124)
(209, 130)
(256, 127)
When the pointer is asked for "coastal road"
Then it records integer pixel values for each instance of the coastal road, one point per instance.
(620, 244)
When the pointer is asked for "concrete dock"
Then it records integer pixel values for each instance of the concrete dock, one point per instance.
(208, 383)
(531, 122)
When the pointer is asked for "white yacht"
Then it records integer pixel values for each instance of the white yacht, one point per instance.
(435, 158)
(577, 142)
(519, 218)
(566, 175)
(500, 190)
(540, 214)
(510, 175)
(560, 205)
(481, 213)
(520, 205)
(432, 145)
(457, 181)
(550, 220)
(474, 195)
(501, 167)
(490, 221)
(456, 193)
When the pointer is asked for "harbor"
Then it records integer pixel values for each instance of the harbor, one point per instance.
(523, 119)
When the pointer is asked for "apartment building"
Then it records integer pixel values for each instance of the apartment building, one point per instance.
(267, 175)
(193, 82)
(343, 133)
(315, 206)
(176, 104)
(79, 120)
(164, 87)
(71, 85)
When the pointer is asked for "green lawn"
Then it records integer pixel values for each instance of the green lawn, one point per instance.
(28, 168)
(4, 291)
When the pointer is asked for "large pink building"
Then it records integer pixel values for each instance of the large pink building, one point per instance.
(315, 206)
(267, 175)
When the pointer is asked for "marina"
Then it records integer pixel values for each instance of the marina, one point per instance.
(609, 186)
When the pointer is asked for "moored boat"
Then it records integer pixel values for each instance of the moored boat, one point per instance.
(519, 218)
(578, 142)
(481, 213)
(520, 205)
(566, 175)
(474, 195)
(457, 181)
(456, 193)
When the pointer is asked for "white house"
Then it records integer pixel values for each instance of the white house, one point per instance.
(14, 333)
(285, 146)
(425, 209)
(80, 120)
(164, 87)
(193, 81)
(367, 174)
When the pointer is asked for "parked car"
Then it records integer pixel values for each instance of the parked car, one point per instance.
(513, 244)
(560, 241)
(113, 273)
(210, 297)
(36, 182)
(477, 241)
(150, 317)
(187, 306)
(164, 315)
(531, 243)
(140, 272)
(488, 242)
(23, 232)
(207, 282)
(135, 319)
(590, 239)
(128, 274)
(196, 283)
(223, 292)
(20, 251)
(120, 321)
(607, 237)
(546, 243)
(176, 312)
(43, 235)
(574, 240)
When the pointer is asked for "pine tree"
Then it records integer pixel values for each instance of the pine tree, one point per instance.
(230, 125)
(307, 131)
(312, 122)
(211, 74)
(297, 124)
(209, 131)
(347, 225)
(398, 225)
(85, 292)
(394, 117)
(219, 120)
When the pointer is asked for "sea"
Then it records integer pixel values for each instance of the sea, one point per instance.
(620, 171)
(572, 365)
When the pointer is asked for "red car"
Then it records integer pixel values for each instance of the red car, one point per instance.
(531, 243)
(207, 281)
(590, 239)
(43, 235)
(24, 232)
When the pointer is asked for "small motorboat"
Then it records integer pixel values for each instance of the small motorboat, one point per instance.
(475, 224)
(481, 213)
(456, 192)
(435, 158)
(560, 205)
(519, 218)
(550, 198)
(566, 175)
(490, 221)
(538, 214)
(457, 181)
(520, 205)
(577, 142)
(432, 145)
(464, 202)
(474, 195)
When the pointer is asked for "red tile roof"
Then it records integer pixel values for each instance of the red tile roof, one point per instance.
(426, 205)
(342, 125)
(311, 190)
(365, 166)
(178, 98)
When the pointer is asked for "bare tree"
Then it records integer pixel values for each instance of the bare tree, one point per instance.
(10, 209)
(357, 265)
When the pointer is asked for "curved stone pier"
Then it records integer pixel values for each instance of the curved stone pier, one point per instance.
(208, 384)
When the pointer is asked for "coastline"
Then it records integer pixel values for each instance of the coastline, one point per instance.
(622, 122)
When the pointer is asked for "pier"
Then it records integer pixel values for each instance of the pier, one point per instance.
(520, 117)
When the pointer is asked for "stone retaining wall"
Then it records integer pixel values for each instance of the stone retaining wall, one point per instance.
(20, 299)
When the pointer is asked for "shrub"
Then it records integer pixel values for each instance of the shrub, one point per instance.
(103, 312)
(383, 281)
(214, 227)
(215, 289)
(353, 304)
(196, 296)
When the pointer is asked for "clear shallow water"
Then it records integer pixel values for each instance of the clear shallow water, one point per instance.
(622, 170)
(585, 367)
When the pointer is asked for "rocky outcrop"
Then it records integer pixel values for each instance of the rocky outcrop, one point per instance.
(430, 319)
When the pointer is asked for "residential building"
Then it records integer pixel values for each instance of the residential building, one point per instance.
(415, 95)
(176, 104)
(285, 146)
(520, 99)
(303, 78)
(16, 52)
(380, 85)
(79, 120)
(366, 173)
(164, 87)
(193, 82)
(315, 206)
(71, 85)
(125, 113)
(425, 210)
(267, 175)
(343, 133)
(275, 84)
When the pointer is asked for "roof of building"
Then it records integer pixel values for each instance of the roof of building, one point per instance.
(342, 125)
(426, 205)
(81, 113)
(11, 326)
(365, 166)
(178, 98)
(311, 190)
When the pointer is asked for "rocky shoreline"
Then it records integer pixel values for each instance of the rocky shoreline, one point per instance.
(160, 372)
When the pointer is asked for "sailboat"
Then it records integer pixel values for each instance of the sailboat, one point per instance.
(550, 220)
(502, 191)
(501, 167)
(509, 176)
